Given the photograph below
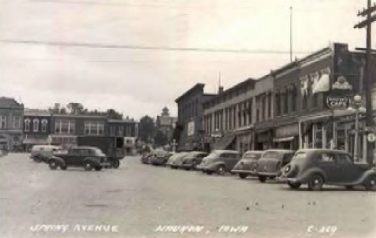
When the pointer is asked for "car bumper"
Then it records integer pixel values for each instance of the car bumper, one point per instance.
(287, 180)
(268, 174)
(248, 172)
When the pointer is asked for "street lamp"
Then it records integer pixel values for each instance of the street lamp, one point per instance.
(357, 108)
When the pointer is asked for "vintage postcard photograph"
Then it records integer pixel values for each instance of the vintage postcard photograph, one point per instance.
(187, 118)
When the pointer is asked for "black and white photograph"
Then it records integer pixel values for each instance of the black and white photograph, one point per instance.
(187, 118)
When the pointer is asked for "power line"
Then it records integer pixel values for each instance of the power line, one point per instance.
(143, 47)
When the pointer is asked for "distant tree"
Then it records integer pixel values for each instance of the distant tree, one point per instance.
(113, 114)
(146, 129)
(75, 108)
(160, 138)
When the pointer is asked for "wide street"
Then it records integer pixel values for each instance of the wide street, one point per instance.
(140, 200)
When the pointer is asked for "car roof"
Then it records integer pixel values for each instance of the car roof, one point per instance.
(226, 151)
(322, 151)
(280, 151)
(85, 147)
(254, 151)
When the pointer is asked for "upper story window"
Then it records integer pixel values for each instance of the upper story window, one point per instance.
(16, 123)
(277, 103)
(35, 125)
(65, 126)
(44, 125)
(294, 100)
(27, 125)
(3, 121)
(93, 128)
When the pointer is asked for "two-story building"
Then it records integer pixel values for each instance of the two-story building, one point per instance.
(11, 116)
(36, 127)
(190, 133)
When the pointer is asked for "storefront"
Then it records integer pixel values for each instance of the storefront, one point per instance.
(286, 137)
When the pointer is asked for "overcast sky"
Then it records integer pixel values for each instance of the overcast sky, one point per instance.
(133, 57)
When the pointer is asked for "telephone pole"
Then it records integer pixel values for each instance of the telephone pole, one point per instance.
(367, 23)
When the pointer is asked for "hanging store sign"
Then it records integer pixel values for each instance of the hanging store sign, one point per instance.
(338, 102)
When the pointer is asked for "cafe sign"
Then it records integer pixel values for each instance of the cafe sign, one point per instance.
(338, 102)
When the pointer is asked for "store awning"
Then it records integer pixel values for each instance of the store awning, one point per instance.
(284, 139)
(35, 141)
(224, 142)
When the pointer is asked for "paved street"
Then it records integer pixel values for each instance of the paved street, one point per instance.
(139, 200)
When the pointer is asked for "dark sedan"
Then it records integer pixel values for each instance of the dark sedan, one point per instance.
(192, 159)
(219, 161)
(316, 167)
(247, 166)
(271, 162)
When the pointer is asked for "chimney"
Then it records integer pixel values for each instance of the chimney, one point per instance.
(220, 89)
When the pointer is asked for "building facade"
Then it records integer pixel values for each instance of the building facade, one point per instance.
(124, 128)
(230, 117)
(11, 117)
(190, 133)
(36, 127)
(166, 123)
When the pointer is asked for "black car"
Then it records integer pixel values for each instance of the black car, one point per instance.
(316, 167)
(271, 162)
(247, 166)
(79, 156)
(192, 159)
(219, 161)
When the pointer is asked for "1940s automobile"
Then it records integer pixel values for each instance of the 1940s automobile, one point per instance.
(79, 156)
(271, 162)
(316, 167)
(248, 164)
(192, 159)
(219, 161)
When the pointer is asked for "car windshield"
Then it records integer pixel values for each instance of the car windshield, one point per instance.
(272, 155)
(214, 155)
(251, 156)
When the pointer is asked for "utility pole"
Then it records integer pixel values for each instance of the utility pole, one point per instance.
(290, 33)
(367, 23)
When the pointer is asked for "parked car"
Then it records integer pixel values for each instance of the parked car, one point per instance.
(174, 160)
(160, 157)
(41, 153)
(192, 159)
(219, 161)
(271, 162)
(316, 167)
(79, 156)
(146, 158)
(248, 164)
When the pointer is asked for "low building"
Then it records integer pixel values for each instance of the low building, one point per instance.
(36, 127)
(126, 128)
(189, 128)
(11, 117)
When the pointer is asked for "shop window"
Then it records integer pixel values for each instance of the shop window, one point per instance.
(35, 125)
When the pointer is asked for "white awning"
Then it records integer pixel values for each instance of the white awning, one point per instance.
(284, 139)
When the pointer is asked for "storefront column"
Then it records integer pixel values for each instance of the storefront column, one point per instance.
(365, 142)
(313, 136)
(323, 137)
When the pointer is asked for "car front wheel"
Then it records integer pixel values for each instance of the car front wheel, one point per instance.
(221, 170)
(88, 166)
(294, 185)
(53, 164)
(262, 179)
(315, 182)
(242, 176)
(115, 163)
(370, 183)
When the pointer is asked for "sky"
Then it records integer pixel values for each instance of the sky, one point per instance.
(137, 56)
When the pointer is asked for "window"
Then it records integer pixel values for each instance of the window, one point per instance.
(27, 125)
(120, 131)
(35, 125)
(16, 123)
(64, 126)
(286, 102)
(269, 105)
(294, 99)
(3, 121)
(328, 158)
(93, 128)
(277, 104)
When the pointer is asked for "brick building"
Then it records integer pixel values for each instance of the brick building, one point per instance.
(36, 127)
(190, 133)
(11, 117)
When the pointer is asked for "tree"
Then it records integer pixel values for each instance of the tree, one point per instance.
(160, 138)
(113, 114)
(146, 128)
(75, 108)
